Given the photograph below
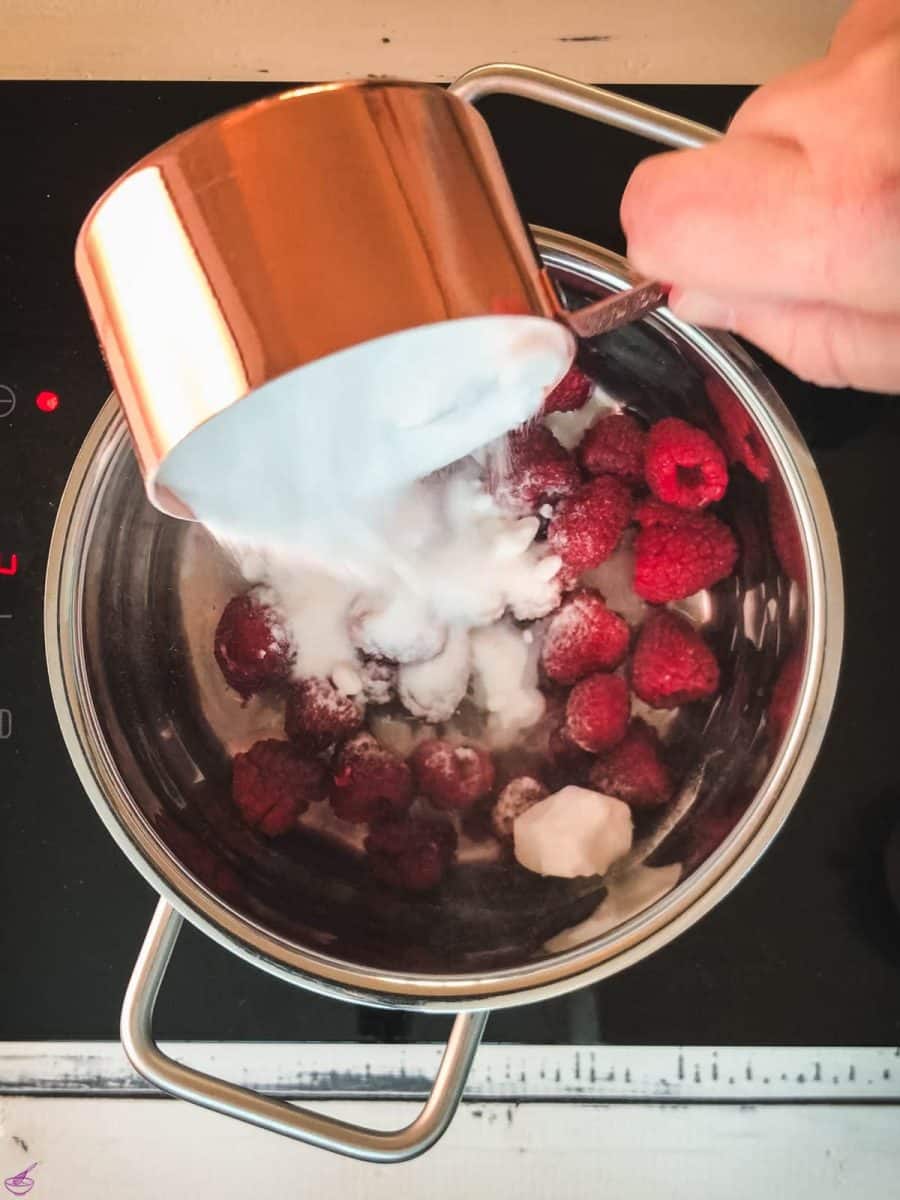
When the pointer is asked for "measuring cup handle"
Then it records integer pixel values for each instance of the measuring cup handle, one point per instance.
(328, 1133)
(600, 105)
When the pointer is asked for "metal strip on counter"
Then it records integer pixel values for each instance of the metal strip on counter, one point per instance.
(590, 1074)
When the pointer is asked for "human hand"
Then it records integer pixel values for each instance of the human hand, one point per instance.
(787, 231)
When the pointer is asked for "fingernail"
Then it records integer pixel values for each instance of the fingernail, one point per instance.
(702, 309)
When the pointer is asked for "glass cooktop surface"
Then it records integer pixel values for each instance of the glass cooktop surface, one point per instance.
(805, 951)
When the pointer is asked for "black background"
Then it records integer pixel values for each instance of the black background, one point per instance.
(805, 951)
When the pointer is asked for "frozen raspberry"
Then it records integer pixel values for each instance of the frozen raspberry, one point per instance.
(785, 532)
(583, 637)
(452, 776)
(615, 446)
(573, 391)
(784, 695)
(587, 526)
(742, 440)
(410, 853)
(273, 783)
(369, 781)
(251, 649)
(634, 771)
(537, 468)
(678, 553)
(683, 465)
(672, 664)
(597, 712)
(318, 715)
(517, 797)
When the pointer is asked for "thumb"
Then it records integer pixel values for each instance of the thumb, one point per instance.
(822, 343)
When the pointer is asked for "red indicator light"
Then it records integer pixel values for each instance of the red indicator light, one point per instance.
(47, 401)
(12, 567)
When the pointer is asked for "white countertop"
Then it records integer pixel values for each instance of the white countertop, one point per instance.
(609, 41)
(162, 1149)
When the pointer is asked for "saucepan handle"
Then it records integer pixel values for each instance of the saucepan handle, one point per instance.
(371, 1145)
(600, 105)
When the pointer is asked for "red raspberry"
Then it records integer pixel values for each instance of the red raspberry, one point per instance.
(683, 465)
(537, 468)
(672, 664)
(784, 695)
(678, 553)
(452, 776)
(587, 527)
(785, 532)
(410, 853)
(369, 781)
(634, 771)
(273, 783)
(251, 648)
(573, 391)
(597, 712)
(742, 440)
(615, 446)
(317, 714)
(582, 637)
(517, 797)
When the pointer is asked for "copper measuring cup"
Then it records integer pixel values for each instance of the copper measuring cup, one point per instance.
(312, 223)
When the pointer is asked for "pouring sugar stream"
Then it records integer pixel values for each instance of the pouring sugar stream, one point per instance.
(378, 537)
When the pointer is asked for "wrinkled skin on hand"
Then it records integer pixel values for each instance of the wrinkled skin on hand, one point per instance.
(787, 232)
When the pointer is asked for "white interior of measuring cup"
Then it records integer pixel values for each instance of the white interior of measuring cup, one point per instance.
(363, 422)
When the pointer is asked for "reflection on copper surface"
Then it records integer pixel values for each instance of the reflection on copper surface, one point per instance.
(157, 268)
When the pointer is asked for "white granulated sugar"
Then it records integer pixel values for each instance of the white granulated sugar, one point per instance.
(483, 559)
(570, 427)
(433, 689)
(504, 682)
(574, 832)
(614, 578)
(314, 608)
(454, 562)
(400, 627)
(626, 895)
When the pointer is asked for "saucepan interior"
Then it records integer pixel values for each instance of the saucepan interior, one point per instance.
(132, 602)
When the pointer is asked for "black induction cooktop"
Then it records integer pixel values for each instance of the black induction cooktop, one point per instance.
(806, 951)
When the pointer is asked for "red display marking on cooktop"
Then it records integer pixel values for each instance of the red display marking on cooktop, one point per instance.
(11, 567)
(47, 401)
